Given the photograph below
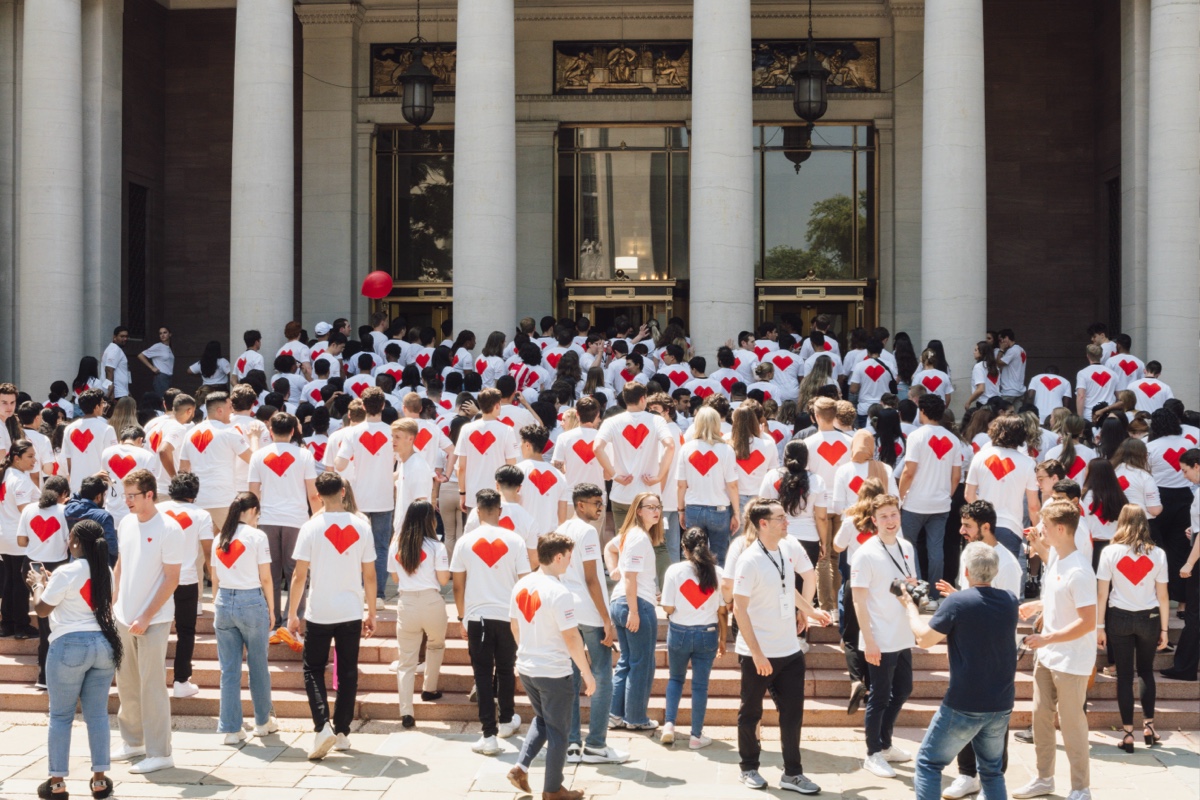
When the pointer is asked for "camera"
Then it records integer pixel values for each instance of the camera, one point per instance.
(917, 591)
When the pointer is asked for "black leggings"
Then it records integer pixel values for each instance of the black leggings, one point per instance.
(1168, 530)
(1133, 636)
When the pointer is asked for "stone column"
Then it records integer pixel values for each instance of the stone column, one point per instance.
(903, 301)
(8, 164)
(954, 185)
(1173, 206)
(535, 219)
(327, 252)
(722, 193)
(1135, 134)
(485, 172)
(50, 268)
(262, 246)
(364, 134)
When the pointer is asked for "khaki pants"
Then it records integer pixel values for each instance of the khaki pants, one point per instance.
(1066, 694)
(419, 613)
(144, 718)
(452, 521)
(828, 577)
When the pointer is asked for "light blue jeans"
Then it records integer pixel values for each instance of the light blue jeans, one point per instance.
(715, 523)
(600, 657)
(79, 666)
(241, 623)
(634, 676)
(381, 532)
(698, 644)
(670, 521)
(949, 732)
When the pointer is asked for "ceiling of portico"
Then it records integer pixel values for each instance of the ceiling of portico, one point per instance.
(822, 8)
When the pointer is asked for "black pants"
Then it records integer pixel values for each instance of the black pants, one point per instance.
(966, 760)
(1168, 530)
(891, 685)
(856, 662)
(187, 597)
(14, 593)
(44, 628)
(786, 685)
(1133, 636)
(493, 653)
(1187, 649)
(345, 637)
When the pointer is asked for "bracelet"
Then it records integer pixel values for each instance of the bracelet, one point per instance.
(462, 494)
(1099, 627)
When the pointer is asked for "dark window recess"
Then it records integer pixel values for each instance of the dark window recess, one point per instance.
(135, 268)
(1113, 187)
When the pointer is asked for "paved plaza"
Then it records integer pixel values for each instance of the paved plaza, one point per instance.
(435, 761)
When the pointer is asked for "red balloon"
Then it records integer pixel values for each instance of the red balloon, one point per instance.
(377, 285)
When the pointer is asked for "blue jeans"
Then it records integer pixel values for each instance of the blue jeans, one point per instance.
(634, 676)
(601, 658)
(1014, 543)
(948, 733)
(935, 532)
(79, 667)
(381, 531)
(697, 643)
(891, 685)
(715, 523)
(242, 622)
(670, 521)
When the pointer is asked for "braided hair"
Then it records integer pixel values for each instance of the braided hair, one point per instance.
(793, 487)
(91, 539)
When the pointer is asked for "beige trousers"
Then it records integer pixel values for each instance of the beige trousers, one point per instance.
(1065, 693)
(144, 718)
(419, 613)
(452, 520)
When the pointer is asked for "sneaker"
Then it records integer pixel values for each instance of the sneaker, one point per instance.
(127, 753)
(235, 738)
(284, 636)
(1035, 788)
(699, 742)
(507, 729)
(486, 746)
(929, 606)
(6, 631)
(473, 695)
(607, 755)
(41, 686)
(878, 766)
(519, 778)
(962, 786)
(152, 765)
(185, 689)
(27, 632)
(429, 697)
(648, 725)
(266, 730)
(858, 693)
(1025, 736)
(895, 755)
(341, 743)
(323, 743)
(752, 779)
(668, 733)
(799, 783)
(615, 723)
(394, 666)
(574, 754)
(407, 721)
(1080, 794)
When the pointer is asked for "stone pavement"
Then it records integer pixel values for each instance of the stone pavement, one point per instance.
(434, 760)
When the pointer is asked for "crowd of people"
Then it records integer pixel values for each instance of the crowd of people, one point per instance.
(795, 485)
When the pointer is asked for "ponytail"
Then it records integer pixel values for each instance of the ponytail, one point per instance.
(53, 490)
(91, 539)
(19, 448)
(695, 548)
(793, 487)
(245, 501)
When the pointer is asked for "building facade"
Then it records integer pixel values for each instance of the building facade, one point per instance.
(1032, 164)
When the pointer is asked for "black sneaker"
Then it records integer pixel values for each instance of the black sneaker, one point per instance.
(1025, 736)
(27, 632)
(407, 721)
(7, 631)
(858, 693)
(430, 696)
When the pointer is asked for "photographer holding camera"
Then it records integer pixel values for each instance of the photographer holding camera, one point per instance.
(979, 623)
(883, 568)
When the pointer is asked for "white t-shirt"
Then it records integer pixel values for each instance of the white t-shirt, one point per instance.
(850, 538)
(512, 518)
(1012, 374)
(936, 381)
(873, 378)
(1127, 367)
(787, 373)
(1151, 393)
(219, 377)
(544, 489)
(1048, 393)
(1008, 574)
(831, 346)
(120, 460)
(249, 360)
(726, 378)
(936, 452)
(281, 470)
(161, 356)
(1101, 529)
(1003, 476)
(84, 443)
(991, 385)
(873, 568)
(1133, 578)
(575, 450)
(763, 457)
(543, 609)
(493, 560)
(827, 450)
(849, 479)
(587, 548)
(637, 558)
(197, 527)
(69, 590)
(484, 446)
(802, 526)
(632, 440)
(1165, 453)
(836, 371)
(1077, 469)
(1069, 584)
(335, 544)
(238, 568)
(115, 357)
(47, 532)
(434, 559)
(693, 606)
(144, 548)
(1139, 486)
(1099, 385)
(772, 605)
(16, 490)
(430, 441)
(706, 470)
(297, 350)
(369, 446)
(414, 481)
(211, 450)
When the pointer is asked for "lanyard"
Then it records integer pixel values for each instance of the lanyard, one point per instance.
(903, 570)
(779, 566)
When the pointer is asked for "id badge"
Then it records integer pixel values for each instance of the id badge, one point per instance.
(785, 607)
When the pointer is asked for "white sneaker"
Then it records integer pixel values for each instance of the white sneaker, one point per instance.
(152, 765)
(929, 606)
(1080, 794)
(237, 737)
(185, 689)
(342, 743)
(486, 746)
(1035, 788)
(268, 729)
(507, 729)
(126, 753)
(394, 666)
(323, 743)
(699, 742)
(421, 668)
(894, 755)
(609, 755)
(668, 733)
(574, 754)
(962, 786)
(877, 765)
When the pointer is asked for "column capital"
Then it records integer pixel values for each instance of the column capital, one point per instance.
(905, 8)
(536, 133)
(332, 14)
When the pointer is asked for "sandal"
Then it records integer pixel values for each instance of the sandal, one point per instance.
(1150, 735)
(46, 790)
(1127, 742)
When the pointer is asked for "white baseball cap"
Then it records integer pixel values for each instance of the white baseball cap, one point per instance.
(322, 328)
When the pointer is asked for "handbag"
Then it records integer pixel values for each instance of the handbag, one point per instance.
(893, 387)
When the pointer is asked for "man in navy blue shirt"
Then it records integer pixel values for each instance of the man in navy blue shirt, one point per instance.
(89, 504)
(980, 625)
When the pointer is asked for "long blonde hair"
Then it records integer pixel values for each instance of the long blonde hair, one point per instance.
(1133, 529)
(631, 521)
(707, 426)
(124, 414)
(745, 429)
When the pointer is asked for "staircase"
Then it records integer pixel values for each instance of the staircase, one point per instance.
(827, 691)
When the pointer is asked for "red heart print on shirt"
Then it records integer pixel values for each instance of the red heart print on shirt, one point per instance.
(423, 360)
(1076, 467)
(44, 527)
(509, 421)
(490, 552)
(995, 379)
(182, 517)
(279, 462)
(636, 434)
(202, 439)
(864, 536)
(1127, 366)
(315, 394)
(584, 450)
(85, 592)
(318, 451)
(1101, 377)
(751, 462)
(121, 465)
(777, 435)
(241, 365)
(931, 382)
(482, 440)
(766, 396)
(940, 445)
(549, 446)
(1150, 389)
(1172, 457)
(999, 467)
(782, 363)
(372, 440)
(874, 372)
(544, 481)
(236, 548)
(358, 389)
(703, 391)
(832, 452)
(856, 484)
(507, 524)
(1050, 383)
(627, 375)
(341, 537)
(481, 366)
(446, 404)
(678, 378)
(1022, 356)
(1097, 512)
(553, 359)
(702, 462)
(1135, 568)
(529, 603)
(422, 438)
(694, 594)
(761, 351)
(3, 491)
(81, 438)
(155, 441)
(727, 383)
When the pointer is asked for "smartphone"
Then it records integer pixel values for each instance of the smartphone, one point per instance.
(37, 565)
